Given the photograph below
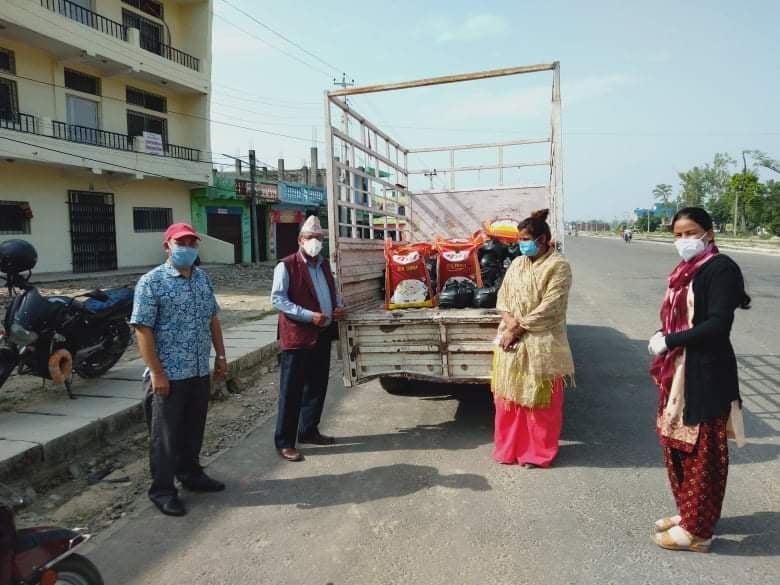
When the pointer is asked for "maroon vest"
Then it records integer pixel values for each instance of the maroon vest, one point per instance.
(294, 334)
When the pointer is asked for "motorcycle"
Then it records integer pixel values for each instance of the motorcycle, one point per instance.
(43, 555)
(53, 337)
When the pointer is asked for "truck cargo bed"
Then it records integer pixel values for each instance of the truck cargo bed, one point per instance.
(453, 345)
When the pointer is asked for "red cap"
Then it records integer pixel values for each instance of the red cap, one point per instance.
(180, 230)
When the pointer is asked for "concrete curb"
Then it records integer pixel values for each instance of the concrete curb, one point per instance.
(47, 435)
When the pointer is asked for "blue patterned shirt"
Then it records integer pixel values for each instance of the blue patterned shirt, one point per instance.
(179, 312)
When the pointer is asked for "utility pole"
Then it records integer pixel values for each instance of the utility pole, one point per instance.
(648, 221)
(431, 175)
(253, 206)
(741, 187)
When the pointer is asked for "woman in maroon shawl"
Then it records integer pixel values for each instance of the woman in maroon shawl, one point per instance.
(696, 372)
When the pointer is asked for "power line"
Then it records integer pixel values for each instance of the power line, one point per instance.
(265, 42)
(195, 116)
(280, 35)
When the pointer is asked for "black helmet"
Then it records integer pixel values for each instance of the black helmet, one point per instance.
(17, 256)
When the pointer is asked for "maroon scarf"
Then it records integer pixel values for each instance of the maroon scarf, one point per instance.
(674, 318)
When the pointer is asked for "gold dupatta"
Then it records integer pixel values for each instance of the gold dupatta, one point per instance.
(536, 294)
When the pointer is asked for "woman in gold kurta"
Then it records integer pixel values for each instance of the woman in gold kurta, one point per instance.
(532, 361)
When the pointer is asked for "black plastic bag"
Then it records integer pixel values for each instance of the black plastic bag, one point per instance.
(485, 298)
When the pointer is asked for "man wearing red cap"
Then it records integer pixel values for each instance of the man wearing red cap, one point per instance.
(176, 322)
(305, 295)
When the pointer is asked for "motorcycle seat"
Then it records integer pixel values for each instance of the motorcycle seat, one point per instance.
(108, 299)
(30, 538)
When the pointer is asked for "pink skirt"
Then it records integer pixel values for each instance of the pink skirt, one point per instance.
(528, 435)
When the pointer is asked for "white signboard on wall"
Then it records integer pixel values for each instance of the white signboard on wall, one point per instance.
(153, 143)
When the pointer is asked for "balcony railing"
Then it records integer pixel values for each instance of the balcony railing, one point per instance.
(87, 17)
(302, 194)
(17, 121)
(93, 136)
(166, 51)
(29, 124)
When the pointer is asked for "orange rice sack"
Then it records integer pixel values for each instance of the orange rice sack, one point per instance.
(458, 259)
(407, 280)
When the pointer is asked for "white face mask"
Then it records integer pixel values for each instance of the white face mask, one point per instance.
(312, 247)
(689, 248)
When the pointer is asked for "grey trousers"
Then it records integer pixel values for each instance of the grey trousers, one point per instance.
(176, 424)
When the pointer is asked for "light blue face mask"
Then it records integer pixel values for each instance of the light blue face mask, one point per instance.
(529, 248)
(183, 256)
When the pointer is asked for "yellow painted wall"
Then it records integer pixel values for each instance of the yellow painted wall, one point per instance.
(41, 99)
(46, 189)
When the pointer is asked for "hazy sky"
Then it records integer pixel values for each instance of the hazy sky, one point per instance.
(648, 88)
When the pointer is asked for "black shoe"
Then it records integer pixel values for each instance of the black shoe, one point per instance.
(316, 438)
(169, 505)
(202, 483)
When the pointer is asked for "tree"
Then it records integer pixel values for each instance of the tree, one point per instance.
(761, 159)
(693, 187)
(663, 192)
(745, 192)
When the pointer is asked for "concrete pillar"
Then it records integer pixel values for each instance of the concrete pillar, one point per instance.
(314, 162)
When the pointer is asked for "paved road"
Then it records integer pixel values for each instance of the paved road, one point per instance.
(410, 495)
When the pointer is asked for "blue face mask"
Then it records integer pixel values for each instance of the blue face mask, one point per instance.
(183, 256)
(529, 248)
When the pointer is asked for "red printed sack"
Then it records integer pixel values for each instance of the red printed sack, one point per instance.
(407, 281)
(458, 260)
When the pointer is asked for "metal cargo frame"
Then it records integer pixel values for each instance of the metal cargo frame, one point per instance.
(369, 199)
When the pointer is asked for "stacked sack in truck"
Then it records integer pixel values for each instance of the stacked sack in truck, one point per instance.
(451, 273)
(457, 271)
(407, 280)
(498, 250)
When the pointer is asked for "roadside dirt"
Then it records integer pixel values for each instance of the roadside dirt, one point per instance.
(243, 293)
(108, 482)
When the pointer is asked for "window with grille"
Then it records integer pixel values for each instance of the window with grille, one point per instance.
(82, 82)
(148, 6)
(7, 61)
(9, 104)
(151, 32)
(144, 99)
(152, 219)
(138, 123)
(14, 217)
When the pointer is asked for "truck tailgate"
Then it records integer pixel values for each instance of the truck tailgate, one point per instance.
(453, 345)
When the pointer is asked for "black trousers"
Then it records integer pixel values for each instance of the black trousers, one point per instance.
(302, 388)
(176, 425)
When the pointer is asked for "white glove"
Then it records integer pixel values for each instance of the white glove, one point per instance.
(657, 344)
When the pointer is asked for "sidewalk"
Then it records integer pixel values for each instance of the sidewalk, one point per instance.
(50, 432)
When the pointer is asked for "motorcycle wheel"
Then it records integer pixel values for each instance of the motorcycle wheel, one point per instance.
(77, 570)
(106, 360)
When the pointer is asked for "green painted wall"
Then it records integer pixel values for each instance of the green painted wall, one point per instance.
(222, 194)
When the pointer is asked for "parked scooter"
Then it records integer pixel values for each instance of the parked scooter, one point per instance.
(52, 337)
(44, 555)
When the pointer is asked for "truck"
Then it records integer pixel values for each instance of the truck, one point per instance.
(372, 195)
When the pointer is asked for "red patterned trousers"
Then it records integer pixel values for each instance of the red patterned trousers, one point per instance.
(699, 478)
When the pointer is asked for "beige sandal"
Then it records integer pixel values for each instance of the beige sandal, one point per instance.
(677, 538)
(664, 524)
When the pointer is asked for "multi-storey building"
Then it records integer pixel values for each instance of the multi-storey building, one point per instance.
(103, 126)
